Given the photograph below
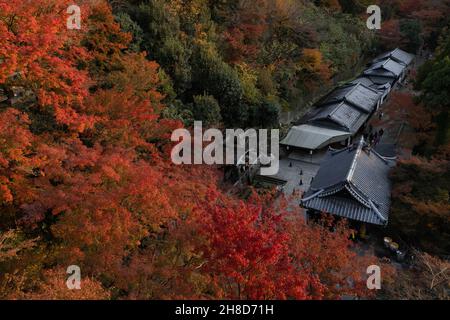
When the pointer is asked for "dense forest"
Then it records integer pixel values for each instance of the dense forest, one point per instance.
(85, 172)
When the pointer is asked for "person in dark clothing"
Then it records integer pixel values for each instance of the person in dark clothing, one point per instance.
(376, 141)
(381, 132)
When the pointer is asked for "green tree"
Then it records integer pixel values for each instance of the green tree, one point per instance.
(164, 41)
(206, 109)
(266, 114)
(129, 26)
(411, 30)
(219, 79)
(434, 82)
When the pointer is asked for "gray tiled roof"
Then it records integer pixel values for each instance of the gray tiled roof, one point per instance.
(380, 86)
(373, 81)
(356, 94)
(313, 137)
(385, 68)
(365, 81)
(347, 108)
(352, 183)
(344, 207)
(398, 55)
(340, 116)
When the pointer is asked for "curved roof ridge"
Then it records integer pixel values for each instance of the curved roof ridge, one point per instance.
(383, 158)
(378, 213)
(332, 189)
(337, 151)
(360, 146)
(357, 194)
(313, 195)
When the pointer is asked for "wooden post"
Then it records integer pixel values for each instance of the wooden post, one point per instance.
(362, 231)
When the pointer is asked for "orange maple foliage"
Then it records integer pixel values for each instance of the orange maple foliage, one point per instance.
(53, 287)
(40, 53)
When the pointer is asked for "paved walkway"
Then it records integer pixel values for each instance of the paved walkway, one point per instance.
(397, 132)
(297, 173)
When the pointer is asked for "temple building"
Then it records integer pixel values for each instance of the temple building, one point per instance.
(335, 118)
(352, 183)
(343, 112)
